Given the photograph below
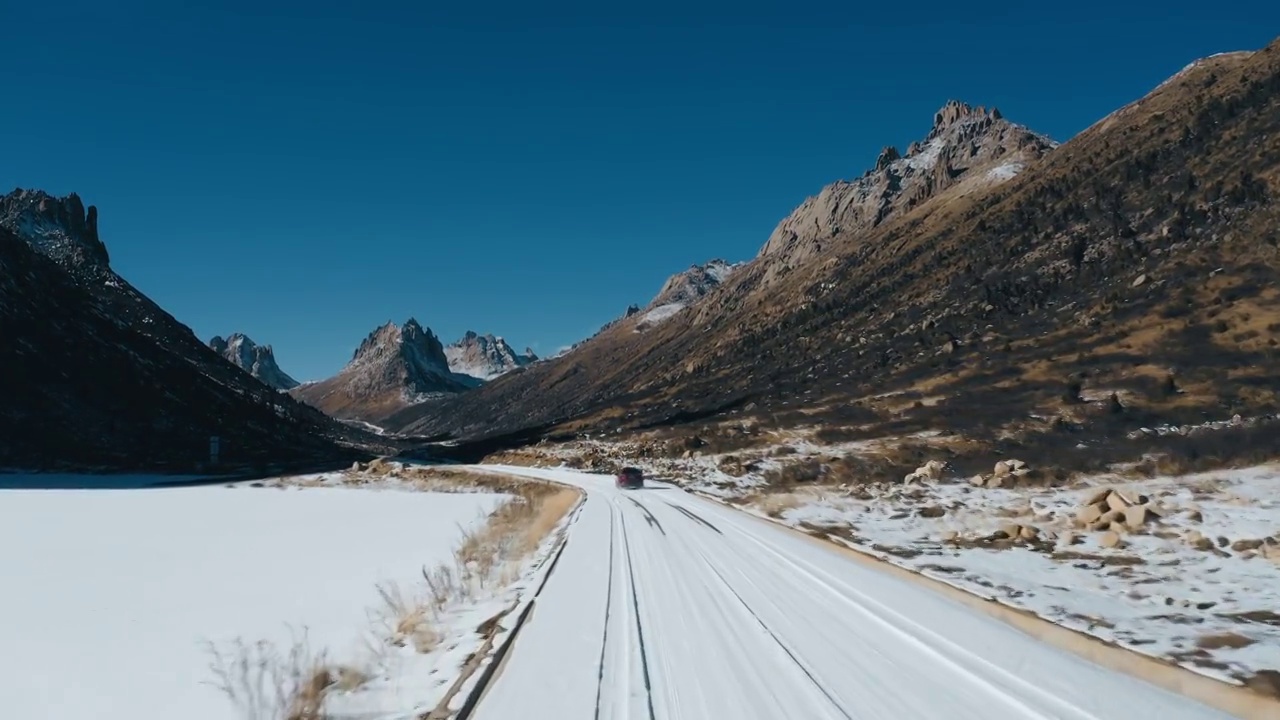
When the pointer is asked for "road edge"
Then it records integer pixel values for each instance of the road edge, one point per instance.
(1237, 700)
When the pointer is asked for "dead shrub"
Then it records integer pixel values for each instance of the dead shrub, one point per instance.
(264, 683)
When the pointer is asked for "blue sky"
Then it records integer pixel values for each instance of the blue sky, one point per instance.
(303, 172)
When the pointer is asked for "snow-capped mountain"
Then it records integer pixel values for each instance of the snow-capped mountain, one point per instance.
(485, 357)
(686, 288)
(395, 366)
(257, 360)
(966, 145)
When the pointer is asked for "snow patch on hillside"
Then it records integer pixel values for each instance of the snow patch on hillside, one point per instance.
(662, 312)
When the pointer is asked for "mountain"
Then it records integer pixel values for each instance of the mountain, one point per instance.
(977, 302)
(485, 357)
(96, 375)
(967, 148)
(395, 367)
(257, 360)
(684, 289)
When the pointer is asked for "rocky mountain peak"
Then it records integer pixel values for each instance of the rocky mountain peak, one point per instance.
(257, 360)
(690, 285)
(485, 357)
(955, 111)
(60, 228)
(395, 366)
(966, 145)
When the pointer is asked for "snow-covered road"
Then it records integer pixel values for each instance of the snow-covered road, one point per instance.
(665, 605)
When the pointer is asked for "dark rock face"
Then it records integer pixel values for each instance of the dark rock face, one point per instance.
(87, 384)
(59, 228)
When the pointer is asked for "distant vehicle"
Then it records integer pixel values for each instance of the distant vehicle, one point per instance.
(630, 478)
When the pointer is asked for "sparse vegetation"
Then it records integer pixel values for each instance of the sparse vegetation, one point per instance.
(265, 683)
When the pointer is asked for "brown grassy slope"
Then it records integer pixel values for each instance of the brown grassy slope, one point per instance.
(990, 304)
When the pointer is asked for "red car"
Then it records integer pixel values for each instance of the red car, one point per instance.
(629, 478)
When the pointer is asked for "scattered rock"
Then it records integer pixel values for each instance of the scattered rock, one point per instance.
(1090, 514)
(1243, 545)
(1098, 497)
(1029, 532)
(1069, 538)
(932, 511)
(1011, 530)
(1137, 516)
(950, 536)
(1116, 501)
(1195, 516)
(1110, 540)
(1223, 541)
(357, 466)
(977, 481)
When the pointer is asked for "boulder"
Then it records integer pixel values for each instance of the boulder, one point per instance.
(1029, 532)
(1098, 497)
(933, 469)
(1089, 514)
(1195, 516)
(1003, 468)
(950, 536)
(1243, 545)
(1137, 516)
(1116, 501)
(1011, 530)
(932, 511)
(996, 481)
(977, 481)
(357, 466)
(1110, 540)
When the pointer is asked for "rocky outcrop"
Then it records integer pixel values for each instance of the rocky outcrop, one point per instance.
(966, 145)
(691, 285)
(394, 367)
(485, 357)
(59, 228)
(257, 360)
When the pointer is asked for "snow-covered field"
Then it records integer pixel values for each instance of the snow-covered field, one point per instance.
(1213, 609)
(110, 595)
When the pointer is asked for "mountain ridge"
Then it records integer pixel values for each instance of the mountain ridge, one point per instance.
(827, 319)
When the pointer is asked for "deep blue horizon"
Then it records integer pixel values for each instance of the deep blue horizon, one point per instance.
(305, 173)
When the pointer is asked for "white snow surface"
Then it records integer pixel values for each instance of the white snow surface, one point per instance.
(667, 605)
(1006, 171)
(662, 312)
(109, 594)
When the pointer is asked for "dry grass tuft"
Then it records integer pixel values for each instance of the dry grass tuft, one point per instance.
(488, 557)
(264, 683)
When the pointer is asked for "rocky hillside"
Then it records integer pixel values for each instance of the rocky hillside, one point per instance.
(967, 148)
(1138, 260)
(684, 289)
(257, 360)
(485, 357)
(394, 368)
(95, 375)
